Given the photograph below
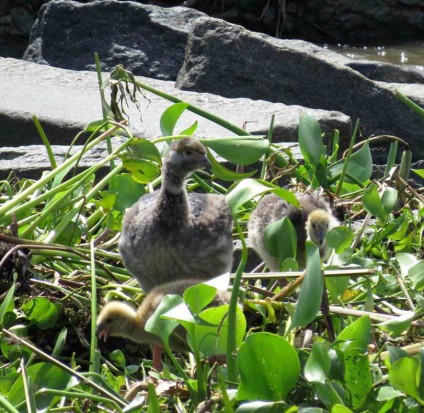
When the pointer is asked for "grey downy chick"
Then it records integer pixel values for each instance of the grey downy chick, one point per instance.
(311, 221)
(169, 234)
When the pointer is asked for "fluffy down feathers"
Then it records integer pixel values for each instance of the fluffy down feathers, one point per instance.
(169, 234)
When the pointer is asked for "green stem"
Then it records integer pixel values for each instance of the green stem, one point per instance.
(94, 352)
(45, 141)
(346, 162)
(232, 311)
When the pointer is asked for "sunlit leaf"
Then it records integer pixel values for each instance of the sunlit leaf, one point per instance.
(398, 324)
(126, 190)
(281, 240)
(387, 393)
(269, 367)
(212, 339)
(372, 202)
(310, 141)
(170, 117)
(242, 150)
(416, 274)
(262, 407)
(190, 130)
(317, 366)
(199, 296)
(404, 375)
(356, 336)
(226, 174)
(339, 408)
(42, 312)
(419, 172)
(340, 239)
(310, 296)
(389, 199)
(142, 171)
(141, 148)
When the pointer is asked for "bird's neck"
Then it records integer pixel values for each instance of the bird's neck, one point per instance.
(172, 202)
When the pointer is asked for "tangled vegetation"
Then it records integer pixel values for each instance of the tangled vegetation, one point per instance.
(59, 262)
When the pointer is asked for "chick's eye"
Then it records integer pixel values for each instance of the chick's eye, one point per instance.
(108, 320)
(188, 152)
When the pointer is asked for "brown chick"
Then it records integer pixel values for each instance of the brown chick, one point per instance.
(169, 234)
(312, 221)
(118, 319)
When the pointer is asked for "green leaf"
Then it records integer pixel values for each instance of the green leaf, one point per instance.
(210, 338)
(310, 296)
(340, 239)
(118, 357)
(60, 342)
(43, 375)
(310, 141)
(318, 365)
(269, 367)
(144, 149)
(7, 305)
(163, 327)
(245, 191)
(398, 324)
(389, 199)
(226, 174)
(199, 296)
(190, 130)
(357, 377)
(42, 312)
(359, 166)
(356, 336)
(242, 150)
(339, 408)
(419, 172)
(281, 240)
(127, 191)
(404, 375)
(142, 171)
(416, 274)
(170, 117)
(262, 407)
(387, 393)
(372, 202)
(96, 124)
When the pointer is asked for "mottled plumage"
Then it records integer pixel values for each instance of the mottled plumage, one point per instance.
(312, 221)
(169, 234)
(119, 319)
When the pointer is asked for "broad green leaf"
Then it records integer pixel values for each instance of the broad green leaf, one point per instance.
(399, 324)
(387, 393)
(419, 172)
(170, 117)
(190, 130)
(357, 377)
(310, 141)
(339, 408)
(356, 336)
(262, 407)
(269, 367)
(328, 394)
(242, 150)
(198, 297)
(245, 191)
(395, 353)
(359, 166)
(144, 149)
(142, 171)
(42, 312)
(163, 327)
(212, 338)
(127, 191)
(416, 274)
(340, 239)
(281, 240)
(43, 375)
(389, 199)
(318, 365)
(310, 296)
(372, 202)
(404, 375)
(118, 357)
(226, 174)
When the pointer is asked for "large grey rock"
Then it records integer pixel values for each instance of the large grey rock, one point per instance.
(228, 60)
(31, 161)
(148, 40)
(387, 72)
(65, 101)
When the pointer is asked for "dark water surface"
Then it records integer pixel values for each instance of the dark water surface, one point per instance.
(411, 53)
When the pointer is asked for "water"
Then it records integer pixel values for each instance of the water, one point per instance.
(411, 53)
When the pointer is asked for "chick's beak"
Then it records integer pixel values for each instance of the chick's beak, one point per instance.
(102, 331)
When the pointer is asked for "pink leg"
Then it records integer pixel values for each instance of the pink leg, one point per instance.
(157, 356)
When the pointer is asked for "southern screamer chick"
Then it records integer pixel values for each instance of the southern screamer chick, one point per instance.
(312, 221)
(118, 319)
(169, 234)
